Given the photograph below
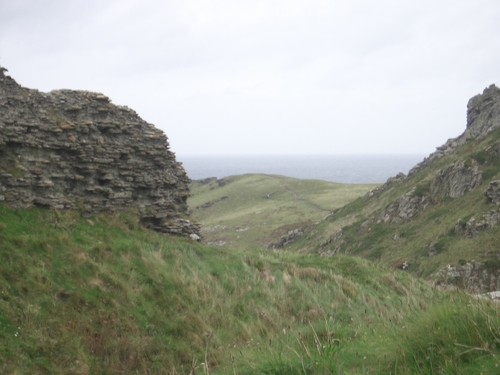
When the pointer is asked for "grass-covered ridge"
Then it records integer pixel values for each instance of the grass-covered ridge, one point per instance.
(250, 211)
(103, 295)
(428, 241)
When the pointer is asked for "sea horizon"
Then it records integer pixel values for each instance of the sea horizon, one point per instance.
(360, 168)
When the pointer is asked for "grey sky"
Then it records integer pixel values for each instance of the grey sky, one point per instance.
(267, 77)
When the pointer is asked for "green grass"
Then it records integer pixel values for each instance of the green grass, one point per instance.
(253, 210)
(428, 241)
(458, 336)
(105, 296)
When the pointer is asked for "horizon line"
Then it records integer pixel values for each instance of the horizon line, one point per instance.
(177, 154)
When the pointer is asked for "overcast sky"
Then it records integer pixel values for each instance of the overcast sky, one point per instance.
(267, 77)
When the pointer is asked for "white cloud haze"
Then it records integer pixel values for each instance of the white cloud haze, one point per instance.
(267, 77)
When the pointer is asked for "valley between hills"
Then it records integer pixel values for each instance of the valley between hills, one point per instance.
(102, 270)
(438, 223)
(255, 210)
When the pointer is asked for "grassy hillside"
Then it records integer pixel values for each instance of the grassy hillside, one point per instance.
(103, 295)
(429, 241)
(252, 210)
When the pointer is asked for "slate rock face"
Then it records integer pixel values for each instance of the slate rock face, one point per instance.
(76, 150)
(483, 115)
(456, 180)
(404, 208)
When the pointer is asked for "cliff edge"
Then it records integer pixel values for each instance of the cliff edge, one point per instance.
(71, 149)
(483, 116)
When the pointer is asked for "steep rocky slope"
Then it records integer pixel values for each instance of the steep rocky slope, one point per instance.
(440, 221)
(76, 150)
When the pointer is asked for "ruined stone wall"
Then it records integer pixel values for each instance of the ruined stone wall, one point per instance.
(76, 150)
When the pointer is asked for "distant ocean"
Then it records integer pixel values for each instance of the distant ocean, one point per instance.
(335, 168)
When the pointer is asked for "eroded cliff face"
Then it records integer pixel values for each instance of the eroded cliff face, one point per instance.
(76, 150)
(483, 116)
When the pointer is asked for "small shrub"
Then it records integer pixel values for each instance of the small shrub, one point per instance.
(481, 157)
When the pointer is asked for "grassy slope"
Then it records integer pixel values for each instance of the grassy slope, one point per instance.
(105, 296)
(393, 244)
(247, 219)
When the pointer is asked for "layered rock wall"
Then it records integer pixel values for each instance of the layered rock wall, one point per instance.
(456, 180)
(76, 150)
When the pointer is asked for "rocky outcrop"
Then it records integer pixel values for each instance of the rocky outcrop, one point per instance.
(493, 192)
(455, 180)
(488, 220)
(287, 239)
(76, 150)
(474, 277)
(494, 150)
(336, 240)
(404, 208)
(473, 227)
(483, 115)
